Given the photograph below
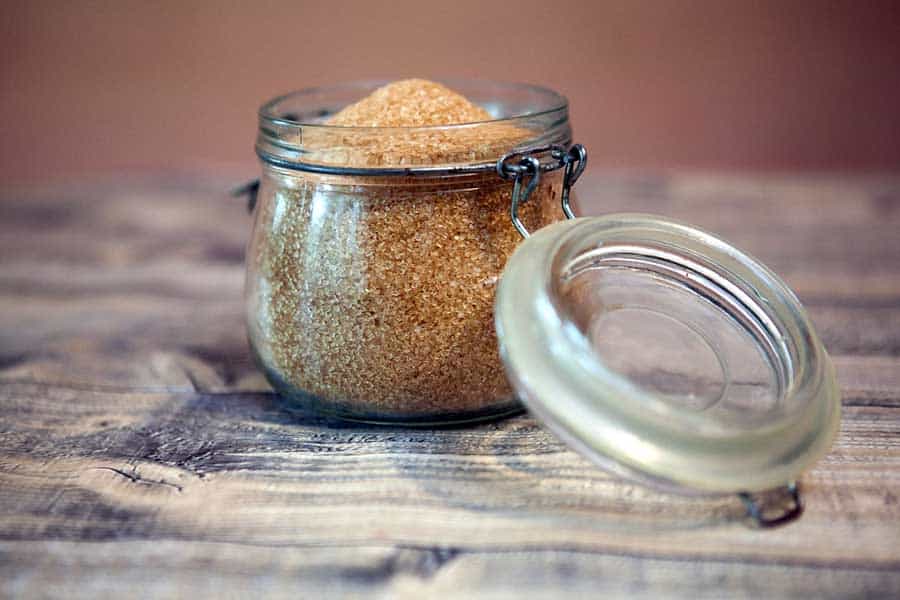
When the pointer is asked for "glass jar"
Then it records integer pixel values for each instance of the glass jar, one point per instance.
(376, 252)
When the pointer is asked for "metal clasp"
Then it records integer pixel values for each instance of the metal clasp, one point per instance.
(524, 167)
(250, 190)
(788, 506)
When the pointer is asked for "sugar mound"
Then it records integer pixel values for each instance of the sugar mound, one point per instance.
(410, 103)
(408, 123)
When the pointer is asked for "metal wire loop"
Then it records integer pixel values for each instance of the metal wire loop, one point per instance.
(756, 511)
(529, 166)
(250, 190)
(512, 164)
(519, 165)
(575, 161)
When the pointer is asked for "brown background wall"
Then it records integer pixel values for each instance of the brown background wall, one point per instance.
(100, 86)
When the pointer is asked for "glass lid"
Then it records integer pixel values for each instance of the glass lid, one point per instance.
(666, 355)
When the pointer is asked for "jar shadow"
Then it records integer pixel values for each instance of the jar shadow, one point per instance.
(512, 466)
(515, 468)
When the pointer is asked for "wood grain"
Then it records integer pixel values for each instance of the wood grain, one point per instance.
(141, 452)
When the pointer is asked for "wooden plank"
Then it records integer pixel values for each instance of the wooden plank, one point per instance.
(140, 447)
(265, 476)
(157, 570)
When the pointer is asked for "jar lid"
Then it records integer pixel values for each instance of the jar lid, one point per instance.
(666, 355)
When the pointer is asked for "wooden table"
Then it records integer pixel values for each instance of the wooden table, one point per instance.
(141, 452)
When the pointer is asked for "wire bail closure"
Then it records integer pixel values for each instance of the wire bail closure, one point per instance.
(789, 507)
(524, 167)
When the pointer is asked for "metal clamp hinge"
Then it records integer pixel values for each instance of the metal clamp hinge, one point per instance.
(788, 506)
(525, 167)
(249, 189)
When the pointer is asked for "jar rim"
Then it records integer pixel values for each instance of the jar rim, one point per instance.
(269, 111)
(292, 134)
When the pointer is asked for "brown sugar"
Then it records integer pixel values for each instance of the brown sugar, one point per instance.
(410, 103)
(411, 123)
(372, 297)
